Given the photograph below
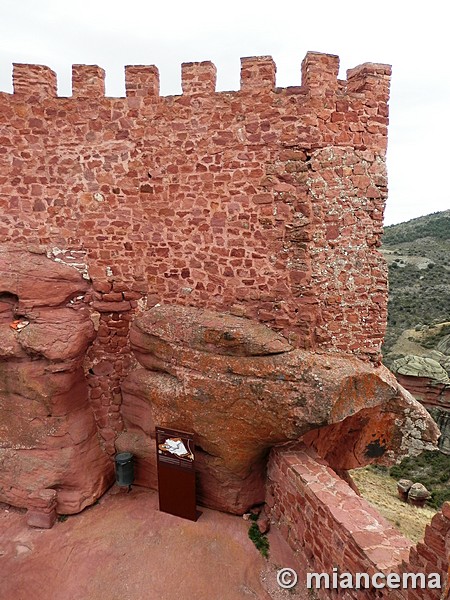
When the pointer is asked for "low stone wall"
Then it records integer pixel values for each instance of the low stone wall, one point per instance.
(330, 526)
(432, 556)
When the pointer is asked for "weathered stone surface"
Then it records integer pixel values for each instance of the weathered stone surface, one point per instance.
(36, 281)
(57, 334)
(434, 395)
(378, 434)
(42, 520)
(418, 495)
(444, 345)
(420, 366)
(441, 417)
(42, 510)
(403, 487)
(444, 361)
(48, 435)
(206, 331)
(418, 491)
(240, 405)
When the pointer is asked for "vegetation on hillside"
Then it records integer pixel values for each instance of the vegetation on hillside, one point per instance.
(418, 255)
(419, 291)
(380, 490)
(435, 225)
(430, 468)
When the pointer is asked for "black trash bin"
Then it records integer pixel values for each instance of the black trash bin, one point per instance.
(124, 468)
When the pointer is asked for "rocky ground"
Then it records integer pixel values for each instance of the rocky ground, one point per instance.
(123, 548)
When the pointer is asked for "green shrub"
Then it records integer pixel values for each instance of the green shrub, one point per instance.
(259, 539)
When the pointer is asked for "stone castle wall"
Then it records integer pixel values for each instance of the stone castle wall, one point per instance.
(265, 202)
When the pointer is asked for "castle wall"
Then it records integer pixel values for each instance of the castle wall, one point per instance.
(265, 202)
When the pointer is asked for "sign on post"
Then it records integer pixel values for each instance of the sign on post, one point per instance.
(176, 473)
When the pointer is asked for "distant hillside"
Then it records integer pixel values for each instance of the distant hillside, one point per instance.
(435, 226)
(418, 256)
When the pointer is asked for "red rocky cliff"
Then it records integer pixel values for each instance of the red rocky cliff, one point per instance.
(48, 436)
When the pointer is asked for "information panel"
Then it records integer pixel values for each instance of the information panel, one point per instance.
(176, 473)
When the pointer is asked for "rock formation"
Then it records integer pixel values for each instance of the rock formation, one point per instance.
(421, 366)
(48, 436)
(444, 345)
(428, 382)
(418, 495)
(241, 388)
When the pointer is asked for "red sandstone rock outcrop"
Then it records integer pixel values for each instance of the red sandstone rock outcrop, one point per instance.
(242, 389)
(429, 383)
(48, 436)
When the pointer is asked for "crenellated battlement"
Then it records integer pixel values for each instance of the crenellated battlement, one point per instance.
(142, 81)
(88, 81)
(320, 73)
(319, 76)
(198, 78)
(257, 73)
(34, 80)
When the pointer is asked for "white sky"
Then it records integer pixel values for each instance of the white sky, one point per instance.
(412, 36)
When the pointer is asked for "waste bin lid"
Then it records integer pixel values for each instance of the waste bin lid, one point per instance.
(123, 457)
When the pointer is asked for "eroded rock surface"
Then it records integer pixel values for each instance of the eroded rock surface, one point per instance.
(48, 436)
(421, 366)
(428, 382)
(242, 389)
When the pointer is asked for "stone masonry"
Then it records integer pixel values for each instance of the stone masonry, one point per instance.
(265, 202)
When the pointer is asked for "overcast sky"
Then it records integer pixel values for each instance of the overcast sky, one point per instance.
(413, 37)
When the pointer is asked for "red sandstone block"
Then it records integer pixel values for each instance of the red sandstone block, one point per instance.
(43, 520)
(142, 81)
(368, 77)
(263, 199)
(434, 540)
(257, 72)
(198, 77)
(102, 286)
(425, 554)
(320, 72)
(440, 523)
(112, 297)
(43, 500)
(88, 81)
(34, 80)
(107, 307)
(446, 510)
